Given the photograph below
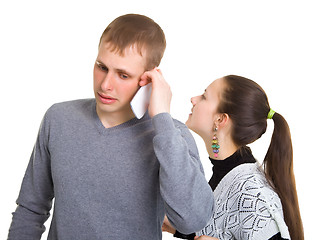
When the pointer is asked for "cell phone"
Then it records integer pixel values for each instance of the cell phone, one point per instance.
(140, 102)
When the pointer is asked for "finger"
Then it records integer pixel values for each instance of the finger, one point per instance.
(159, 70)
(150, 76)
(145, 79)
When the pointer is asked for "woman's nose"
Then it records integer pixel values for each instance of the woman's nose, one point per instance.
(193, 101)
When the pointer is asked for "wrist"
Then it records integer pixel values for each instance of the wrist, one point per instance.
(163, 122)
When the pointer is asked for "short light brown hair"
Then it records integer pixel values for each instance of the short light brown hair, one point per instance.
(137, 31)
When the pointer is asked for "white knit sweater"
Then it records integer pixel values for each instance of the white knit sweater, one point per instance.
(246, 207)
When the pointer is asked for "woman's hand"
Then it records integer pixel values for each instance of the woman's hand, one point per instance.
(167, 227)
(161, 94)
(204, 237)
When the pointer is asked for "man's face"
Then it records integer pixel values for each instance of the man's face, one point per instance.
(116, 80)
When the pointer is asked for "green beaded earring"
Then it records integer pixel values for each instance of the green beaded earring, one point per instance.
(215, 144)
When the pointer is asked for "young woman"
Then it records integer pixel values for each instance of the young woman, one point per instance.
(251, 201)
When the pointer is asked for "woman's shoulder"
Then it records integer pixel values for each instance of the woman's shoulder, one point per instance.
(249, 199)
(245, 177)
(248, 185)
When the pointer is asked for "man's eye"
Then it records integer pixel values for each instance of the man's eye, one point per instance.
(101, 67)
(124, 76)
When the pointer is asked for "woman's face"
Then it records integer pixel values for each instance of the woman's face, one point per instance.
(204, 110)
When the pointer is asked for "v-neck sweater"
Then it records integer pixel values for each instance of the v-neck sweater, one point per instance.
(110, 183)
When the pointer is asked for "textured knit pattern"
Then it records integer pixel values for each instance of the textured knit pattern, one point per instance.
(246, 207)
(110, 183)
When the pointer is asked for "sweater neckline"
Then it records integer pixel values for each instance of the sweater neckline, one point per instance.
(103, 130)
(223, 167)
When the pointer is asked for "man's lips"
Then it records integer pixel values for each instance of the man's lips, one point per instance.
(106, 99)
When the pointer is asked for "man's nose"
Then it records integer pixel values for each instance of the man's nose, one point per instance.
(108, 81)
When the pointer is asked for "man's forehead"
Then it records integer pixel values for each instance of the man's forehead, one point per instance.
(130, 61)
(134, 48)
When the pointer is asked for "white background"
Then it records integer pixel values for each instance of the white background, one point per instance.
(48, 48)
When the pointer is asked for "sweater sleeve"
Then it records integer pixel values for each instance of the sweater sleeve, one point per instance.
(264, 217)
(36, 193)
(186, 193)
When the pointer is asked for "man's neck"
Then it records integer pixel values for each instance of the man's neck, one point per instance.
(110, 120)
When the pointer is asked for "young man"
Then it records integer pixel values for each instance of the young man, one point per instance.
(114, 176)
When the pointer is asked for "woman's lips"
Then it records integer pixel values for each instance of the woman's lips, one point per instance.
(105, 99)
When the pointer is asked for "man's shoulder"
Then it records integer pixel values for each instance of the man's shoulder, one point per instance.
(78, 103)
(72, 105)
(71, 108)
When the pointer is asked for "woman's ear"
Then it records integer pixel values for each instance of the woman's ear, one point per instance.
(222, 120)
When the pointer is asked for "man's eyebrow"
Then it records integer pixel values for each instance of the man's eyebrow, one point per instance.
(98, 62)
(119, 70)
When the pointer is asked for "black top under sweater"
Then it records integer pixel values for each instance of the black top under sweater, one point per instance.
(219, 170)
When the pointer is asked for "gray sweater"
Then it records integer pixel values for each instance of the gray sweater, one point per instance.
(110, 183)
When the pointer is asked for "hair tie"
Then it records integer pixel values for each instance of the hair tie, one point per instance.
(270, 114)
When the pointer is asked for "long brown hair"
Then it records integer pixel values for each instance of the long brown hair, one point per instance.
(247, 105)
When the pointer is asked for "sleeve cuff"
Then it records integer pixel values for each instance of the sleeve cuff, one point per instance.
(184, 236)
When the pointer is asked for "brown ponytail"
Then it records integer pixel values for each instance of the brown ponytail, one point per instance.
(247, 105)
(278, 164)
